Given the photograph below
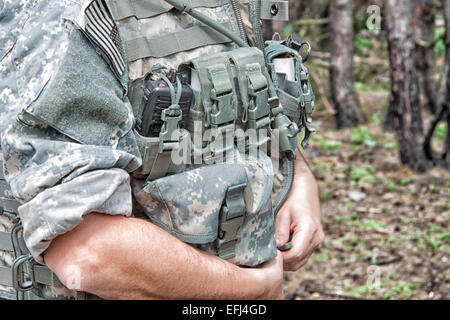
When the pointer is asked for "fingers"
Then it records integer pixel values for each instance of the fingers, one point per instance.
(299, 251)
(306, 239)
(283, 225)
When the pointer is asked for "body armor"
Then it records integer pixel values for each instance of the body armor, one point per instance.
(210, 112)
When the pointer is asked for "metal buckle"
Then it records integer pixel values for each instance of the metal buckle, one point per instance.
(17, 227)
(17, 269)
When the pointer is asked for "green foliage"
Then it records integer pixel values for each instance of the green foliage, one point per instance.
(358, 173)
(321, 257)
(362, 44)
(403, 290)
(439, 43)
(441, 131)
(328, 144)
(392, 145)
(360, 134)
(373, 224)
(377, 117)
(325, 196)
(404, 181)
(287, 30)
(392, 186)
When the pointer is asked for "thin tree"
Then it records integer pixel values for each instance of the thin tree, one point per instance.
(348, 112)
(404, 100)
(424, 27)
(270, 28)
(444, 113)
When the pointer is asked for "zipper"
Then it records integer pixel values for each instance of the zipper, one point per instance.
(240, 23)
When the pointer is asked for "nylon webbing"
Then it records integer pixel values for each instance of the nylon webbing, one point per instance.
(6, 244)
(121, 9)
(191, 38)
(5, 241)
(274, 10)
(5, 276)
(9, 205)
(42, 275)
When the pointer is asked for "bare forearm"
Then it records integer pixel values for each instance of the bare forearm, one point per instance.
(127, 258)
(305, 185)
(301, 166)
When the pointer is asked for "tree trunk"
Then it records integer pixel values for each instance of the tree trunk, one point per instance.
(296, 9)
(405, 88)
(269, 28)
(446, 103)
(348, 113)
(447, 95)
(423, 23)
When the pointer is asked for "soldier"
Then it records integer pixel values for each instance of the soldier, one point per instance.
(106, 209)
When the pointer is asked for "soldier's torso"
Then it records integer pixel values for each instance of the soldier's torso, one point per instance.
(194, 203)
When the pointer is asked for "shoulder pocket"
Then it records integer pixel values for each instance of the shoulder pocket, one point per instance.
(83, 100)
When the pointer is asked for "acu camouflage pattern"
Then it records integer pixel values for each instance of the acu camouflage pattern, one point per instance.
(57, 179)
(170, 22)
(188, 204)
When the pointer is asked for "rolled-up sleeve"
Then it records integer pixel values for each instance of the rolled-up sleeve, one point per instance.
(60, 181)
(69, 149)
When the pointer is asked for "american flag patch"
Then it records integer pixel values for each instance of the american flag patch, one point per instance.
(103, 31)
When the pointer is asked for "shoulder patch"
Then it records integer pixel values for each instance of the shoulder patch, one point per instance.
(102, 29)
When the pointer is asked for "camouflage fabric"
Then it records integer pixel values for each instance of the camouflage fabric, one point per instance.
(59, 177)
(171, 22)
(192, 213)
(48, 171)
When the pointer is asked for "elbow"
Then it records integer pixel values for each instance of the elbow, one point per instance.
(80, 269)
(81, 274)
(81, 257)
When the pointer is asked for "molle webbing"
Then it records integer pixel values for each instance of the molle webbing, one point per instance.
(15, 245)
(7, 203)
(122, 9)
(165, 45)
(42, 275)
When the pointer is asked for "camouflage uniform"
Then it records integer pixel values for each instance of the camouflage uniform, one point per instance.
(59, 174)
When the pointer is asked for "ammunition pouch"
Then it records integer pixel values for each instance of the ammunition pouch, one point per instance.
(292, 84)
(223, 208)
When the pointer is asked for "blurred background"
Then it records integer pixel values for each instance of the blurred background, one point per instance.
(380, 72)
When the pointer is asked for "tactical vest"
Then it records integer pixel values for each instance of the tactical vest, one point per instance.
(181, 73)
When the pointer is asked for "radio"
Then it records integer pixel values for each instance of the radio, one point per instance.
(156, 98)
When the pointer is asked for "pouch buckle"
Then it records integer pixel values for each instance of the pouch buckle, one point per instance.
(231, 218)
(222, 115)
(170, 117)
(306, 91)
(259, 108)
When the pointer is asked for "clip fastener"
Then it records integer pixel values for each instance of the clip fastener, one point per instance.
(170, 117)
(231, 218)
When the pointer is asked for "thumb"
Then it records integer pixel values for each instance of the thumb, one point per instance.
(282, 226)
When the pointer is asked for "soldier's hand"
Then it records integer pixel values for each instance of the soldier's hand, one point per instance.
(298, 220)
(270, 276)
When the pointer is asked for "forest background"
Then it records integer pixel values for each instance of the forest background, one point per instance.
(380, 73)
